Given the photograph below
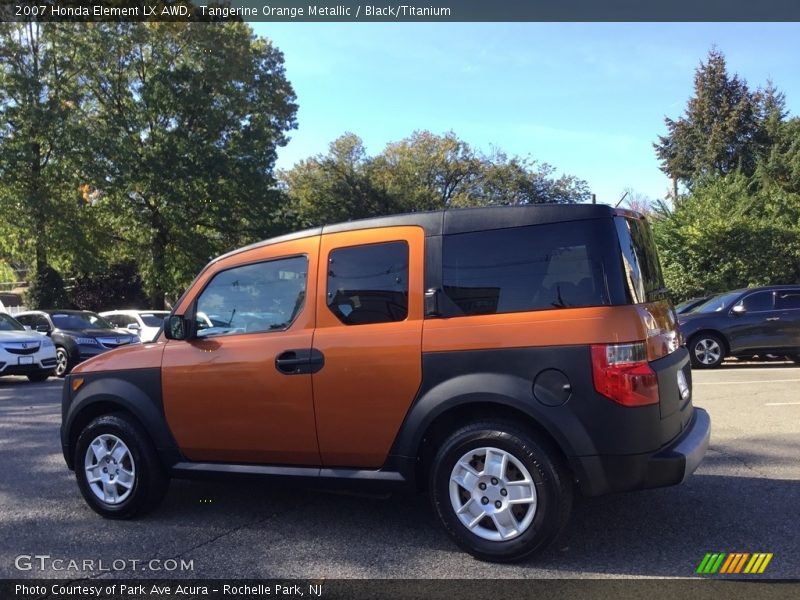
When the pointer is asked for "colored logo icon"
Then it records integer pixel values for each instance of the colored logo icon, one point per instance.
(735, 562)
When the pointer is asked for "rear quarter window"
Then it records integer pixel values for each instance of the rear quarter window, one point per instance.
(641, 268)
(537, 267)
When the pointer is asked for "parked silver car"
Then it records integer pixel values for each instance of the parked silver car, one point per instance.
(24, 352)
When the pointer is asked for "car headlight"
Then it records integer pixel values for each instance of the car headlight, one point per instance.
(135, 339)
(47, 343)
(86, 341)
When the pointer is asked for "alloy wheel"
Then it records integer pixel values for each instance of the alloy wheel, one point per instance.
(493, 494)
(707, 351)
(110, 469)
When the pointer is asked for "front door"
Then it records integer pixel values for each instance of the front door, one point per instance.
(759, 326)
(369, 330)
(239, 391)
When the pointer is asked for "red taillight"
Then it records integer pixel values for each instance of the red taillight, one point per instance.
(621, 372)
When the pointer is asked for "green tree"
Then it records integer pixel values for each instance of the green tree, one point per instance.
(41, 130)
(727, 234)
(118, 286)
(516, 180)
(424, 171)
(47, 290)
(724, 128)
(337, 186)
(188, 118)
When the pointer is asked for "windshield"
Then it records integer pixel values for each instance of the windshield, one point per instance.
(153, 319)
(8, 323)
(717, 303)
(85, 320)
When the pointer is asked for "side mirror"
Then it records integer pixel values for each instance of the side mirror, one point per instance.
(134, 327)
(739, 309)
(43, 328)
(176, 327)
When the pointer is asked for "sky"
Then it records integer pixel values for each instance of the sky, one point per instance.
(587, 98)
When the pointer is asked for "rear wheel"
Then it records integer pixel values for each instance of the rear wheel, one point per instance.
(117, 468)
(500, 491)
(706, 351)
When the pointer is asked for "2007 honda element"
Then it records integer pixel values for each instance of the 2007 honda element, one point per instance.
(498, 357)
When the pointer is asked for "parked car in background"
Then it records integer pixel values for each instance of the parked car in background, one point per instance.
(689, 305)
(23, 352)
(144, 323)
(744, 323)
(77, 334)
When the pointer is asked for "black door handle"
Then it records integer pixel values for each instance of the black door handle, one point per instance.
(300, 362)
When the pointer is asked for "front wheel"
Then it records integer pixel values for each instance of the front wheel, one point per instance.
(706, 351)
(500, 492)
(63, 364)
(117, 468)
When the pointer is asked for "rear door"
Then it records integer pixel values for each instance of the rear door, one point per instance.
(369, 330)
(787, 303)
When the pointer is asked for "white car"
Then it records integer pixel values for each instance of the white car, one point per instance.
(144, 323)
(24, 352)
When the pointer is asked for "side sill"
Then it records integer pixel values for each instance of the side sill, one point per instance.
(304, 475)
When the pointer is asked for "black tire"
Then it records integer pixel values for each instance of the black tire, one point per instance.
(39, 377)
(706, 350)
(553, 487)
(63, 362)
(150, 481)
(796, 359)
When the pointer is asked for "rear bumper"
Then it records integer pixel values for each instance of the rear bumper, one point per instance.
(671, 465)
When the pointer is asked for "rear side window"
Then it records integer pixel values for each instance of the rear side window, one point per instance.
(787, 300)
(642, 270)
(369, 284)
(561, 265)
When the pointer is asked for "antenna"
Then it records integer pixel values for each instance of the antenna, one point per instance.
(621, 199)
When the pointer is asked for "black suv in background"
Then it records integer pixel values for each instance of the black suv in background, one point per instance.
(744, 323)
(77, 334)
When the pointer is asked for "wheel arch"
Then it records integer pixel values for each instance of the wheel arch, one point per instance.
(106, 395)
(711, 331)
(457, 401)
(448, 421)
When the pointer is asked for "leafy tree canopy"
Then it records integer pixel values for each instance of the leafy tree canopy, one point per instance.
(424, 171)
(726, 125)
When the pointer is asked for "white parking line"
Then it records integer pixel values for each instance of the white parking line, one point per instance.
(781, 403)
(738, 382)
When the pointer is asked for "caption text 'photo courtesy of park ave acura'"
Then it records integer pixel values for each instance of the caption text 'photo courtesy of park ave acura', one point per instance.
(501, 359)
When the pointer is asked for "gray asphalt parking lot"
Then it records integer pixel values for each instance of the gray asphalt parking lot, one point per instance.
(743, 498)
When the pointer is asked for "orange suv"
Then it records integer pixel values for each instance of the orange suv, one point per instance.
(498, 357)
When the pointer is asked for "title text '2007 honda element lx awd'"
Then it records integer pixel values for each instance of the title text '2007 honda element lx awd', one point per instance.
(498, 357)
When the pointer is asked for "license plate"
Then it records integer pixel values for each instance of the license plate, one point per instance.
(26, 360)
(683, 386)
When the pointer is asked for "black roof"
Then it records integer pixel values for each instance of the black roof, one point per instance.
(458, 220)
